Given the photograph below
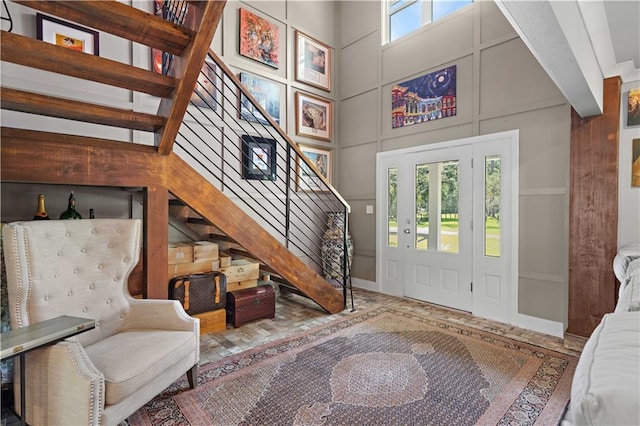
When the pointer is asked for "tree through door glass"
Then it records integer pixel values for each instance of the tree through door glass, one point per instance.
(436, 202)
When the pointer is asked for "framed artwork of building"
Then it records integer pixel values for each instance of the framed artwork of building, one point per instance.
(425, 98)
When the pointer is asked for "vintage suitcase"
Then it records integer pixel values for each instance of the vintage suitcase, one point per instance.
(200, 293)
(250, 304)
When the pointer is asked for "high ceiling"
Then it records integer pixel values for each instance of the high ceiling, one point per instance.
(579, 43)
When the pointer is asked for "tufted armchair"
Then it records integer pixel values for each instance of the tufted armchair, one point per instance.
(138, 348)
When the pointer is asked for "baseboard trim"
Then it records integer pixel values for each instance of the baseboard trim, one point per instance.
(540, 325)
(365, 284)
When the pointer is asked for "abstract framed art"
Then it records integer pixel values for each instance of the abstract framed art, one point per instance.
(314, 116)
(259, 39)
(313, 62)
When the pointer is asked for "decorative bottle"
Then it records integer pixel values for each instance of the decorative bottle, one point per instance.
(71, 212)
(41, 212)
(332, 249)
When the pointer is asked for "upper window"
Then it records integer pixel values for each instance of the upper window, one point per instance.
(406, 16)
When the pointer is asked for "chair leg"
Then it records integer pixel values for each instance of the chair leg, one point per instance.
(192, 376)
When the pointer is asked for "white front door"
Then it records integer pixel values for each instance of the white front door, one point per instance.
(428, 202)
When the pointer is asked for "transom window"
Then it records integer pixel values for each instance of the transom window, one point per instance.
(406, 16)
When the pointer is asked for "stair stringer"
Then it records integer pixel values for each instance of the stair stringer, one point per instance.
(209, 202)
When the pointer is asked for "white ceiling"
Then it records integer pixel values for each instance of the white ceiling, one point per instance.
(579, 43)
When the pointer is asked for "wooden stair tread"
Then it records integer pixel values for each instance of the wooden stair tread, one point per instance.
(35, 103)
(121, 20)
(34, 53)
(198, 221)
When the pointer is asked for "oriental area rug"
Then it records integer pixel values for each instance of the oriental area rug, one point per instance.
(383, 366)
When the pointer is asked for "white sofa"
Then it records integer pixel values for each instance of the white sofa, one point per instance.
(606, 384)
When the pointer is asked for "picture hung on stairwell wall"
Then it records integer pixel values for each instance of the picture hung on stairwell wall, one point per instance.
(258, 158)
(313, 62)
(633, 111)
(314, 116)
(67, 34)
(206, 92)
(306, 179)
(259, 39)
(428, 97)
(266, 93)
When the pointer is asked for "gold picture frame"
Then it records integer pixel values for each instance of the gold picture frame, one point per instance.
(314, 116)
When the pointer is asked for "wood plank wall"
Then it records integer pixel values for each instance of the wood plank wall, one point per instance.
(593, 213)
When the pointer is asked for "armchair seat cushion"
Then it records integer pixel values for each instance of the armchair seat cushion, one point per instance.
(132, 358)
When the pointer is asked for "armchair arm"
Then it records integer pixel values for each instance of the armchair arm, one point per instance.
(160, 314)
(63, 386)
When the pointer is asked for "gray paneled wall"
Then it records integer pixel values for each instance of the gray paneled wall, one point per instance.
(500, 86)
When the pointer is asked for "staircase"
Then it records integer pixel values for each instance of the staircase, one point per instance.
(286, 244)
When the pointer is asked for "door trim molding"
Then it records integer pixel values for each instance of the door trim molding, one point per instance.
(513, 137)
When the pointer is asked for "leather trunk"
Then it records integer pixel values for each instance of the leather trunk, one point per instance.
(200, 293)
(250, 304)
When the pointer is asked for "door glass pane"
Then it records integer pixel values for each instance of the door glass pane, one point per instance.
(392, 207)
(492, 206)
(422, 207)
(436, 215)
(449, 195)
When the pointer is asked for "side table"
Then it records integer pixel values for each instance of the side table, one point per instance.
(25, 339)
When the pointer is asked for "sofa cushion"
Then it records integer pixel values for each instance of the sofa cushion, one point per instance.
(606, 384)
(629, 299)
(132, 358)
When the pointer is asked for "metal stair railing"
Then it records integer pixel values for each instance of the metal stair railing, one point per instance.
(231, 140)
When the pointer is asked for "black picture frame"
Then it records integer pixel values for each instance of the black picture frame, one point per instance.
(57, 31)
(258, 158)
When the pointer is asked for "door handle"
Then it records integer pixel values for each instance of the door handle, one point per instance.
(407, 230)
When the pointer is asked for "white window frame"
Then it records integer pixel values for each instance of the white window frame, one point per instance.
(387, 5)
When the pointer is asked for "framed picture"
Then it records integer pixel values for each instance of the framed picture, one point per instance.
(314, 116)
(426, 98)
(259, 39)
(313, 62)
(266, 92)
(633, 109)
(306, 180)
(205, 93)
(66, 34)
(258, 158)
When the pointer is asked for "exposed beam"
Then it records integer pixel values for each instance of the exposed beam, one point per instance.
(593, 213)
(555, 34)
(156, 237)
(33, 156)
